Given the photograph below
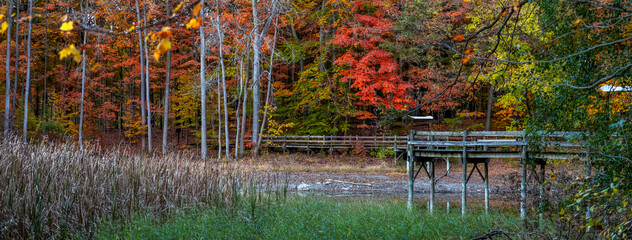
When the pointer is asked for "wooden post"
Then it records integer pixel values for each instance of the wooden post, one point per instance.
(542, 176)
(411, 169)
(284, 143)
(523, 180)
(486, 187)
(331, 145)
(395, 151)
(309, 139)
(432, 184)
(588, 174)
(464, 184)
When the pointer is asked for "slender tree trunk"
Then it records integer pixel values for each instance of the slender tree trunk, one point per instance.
(243, 113)
(28, 72)
(203, 84)
(256, 47)
(142, 74)
(239, 103)
(147, 88)
(221, 64)
(17, 61)
(219, 121)
(7, 90)
(45, 94)
(165, 119)
(490, 101)
(269, 92)
(83, 89)
(256, 68)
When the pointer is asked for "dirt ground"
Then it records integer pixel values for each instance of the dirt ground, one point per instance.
(353, 175)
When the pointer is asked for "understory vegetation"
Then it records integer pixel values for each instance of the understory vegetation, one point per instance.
(54, 190)
(313, 218)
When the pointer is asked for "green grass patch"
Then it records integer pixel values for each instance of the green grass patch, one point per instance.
(312, 218)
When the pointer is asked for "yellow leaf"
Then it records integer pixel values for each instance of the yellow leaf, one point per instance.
(67, 26)
(131, 28)
(70, 50)
(193, 23)
(178, 7)
(162, 48)
(1, 16)
(3, 28)
(196, 9)
(466, 0)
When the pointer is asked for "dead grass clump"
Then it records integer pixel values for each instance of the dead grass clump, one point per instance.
(55, 190)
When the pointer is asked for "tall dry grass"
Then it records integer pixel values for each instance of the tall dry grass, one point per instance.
(54, 190)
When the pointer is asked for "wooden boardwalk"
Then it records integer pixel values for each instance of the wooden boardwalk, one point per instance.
(424, 148)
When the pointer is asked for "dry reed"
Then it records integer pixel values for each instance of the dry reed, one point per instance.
(54, 190)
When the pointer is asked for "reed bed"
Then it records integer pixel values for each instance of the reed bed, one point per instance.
(55, 190)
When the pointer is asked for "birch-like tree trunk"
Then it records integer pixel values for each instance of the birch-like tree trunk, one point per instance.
(203, 84)
(142, 74)
(7, 90)
(17, 61)
(165, 119)
(221, 64)
(83, 89)
(28, 72)
(269, 91)
(259, 33)
(147, 89)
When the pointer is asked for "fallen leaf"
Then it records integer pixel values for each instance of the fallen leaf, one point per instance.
(468, 51)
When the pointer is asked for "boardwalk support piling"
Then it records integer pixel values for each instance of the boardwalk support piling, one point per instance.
(523, 183)
(464, 184)
(411, 169)
(486, 187)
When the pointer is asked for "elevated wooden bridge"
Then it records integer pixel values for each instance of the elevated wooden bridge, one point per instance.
(424, 148)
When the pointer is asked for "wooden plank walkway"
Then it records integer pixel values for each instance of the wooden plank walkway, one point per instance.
(424, 148)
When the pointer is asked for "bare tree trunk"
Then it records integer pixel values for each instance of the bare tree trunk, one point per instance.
(83, 89)
(221, 64)
(142, 74)
(7, 90)
(28, 72)
(147, 89)
(256, 47)
(45, 93)
(219, 121)
(269, 92)
(203, 83)
(490, 101)
(244, 106)
(17, 61)
(239, 103)
(165, 119)
(256, 68)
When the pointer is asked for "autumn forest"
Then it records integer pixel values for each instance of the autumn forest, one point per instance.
(216, 76)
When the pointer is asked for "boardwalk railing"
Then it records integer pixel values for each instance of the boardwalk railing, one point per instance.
(425, 148)
(397, 143)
